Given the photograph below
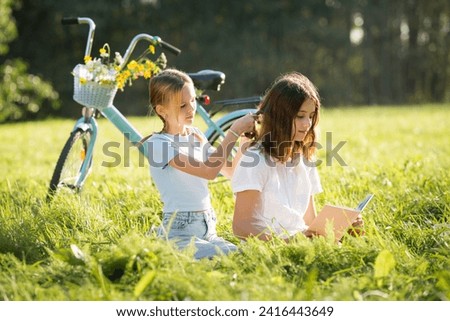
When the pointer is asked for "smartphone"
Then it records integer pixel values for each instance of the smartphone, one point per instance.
(364, 202)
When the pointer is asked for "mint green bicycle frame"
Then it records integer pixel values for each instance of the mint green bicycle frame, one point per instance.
(87, 122)
(132, 134)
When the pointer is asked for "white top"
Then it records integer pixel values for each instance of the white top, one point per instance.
(179, 191)
(285, 189)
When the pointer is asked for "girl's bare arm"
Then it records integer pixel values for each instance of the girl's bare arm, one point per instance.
(247, 205)
(216, 161)
(310, 213)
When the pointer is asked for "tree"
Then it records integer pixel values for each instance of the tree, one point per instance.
(401, 56)
(22, 95)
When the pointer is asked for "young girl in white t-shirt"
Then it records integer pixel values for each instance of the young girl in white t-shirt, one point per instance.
(276, 178)
(182, 161)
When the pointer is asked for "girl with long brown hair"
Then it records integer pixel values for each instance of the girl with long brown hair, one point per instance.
(276, 179)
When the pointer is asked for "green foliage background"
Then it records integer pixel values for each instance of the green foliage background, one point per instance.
(400, 52)
(96, 246)
(22, 95)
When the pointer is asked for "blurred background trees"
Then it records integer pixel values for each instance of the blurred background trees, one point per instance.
(358, 52)
(23, 96)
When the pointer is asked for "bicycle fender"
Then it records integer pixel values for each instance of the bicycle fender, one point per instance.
(81, 124)
(229, 117)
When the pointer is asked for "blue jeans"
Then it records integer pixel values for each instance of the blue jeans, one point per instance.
(195, 227)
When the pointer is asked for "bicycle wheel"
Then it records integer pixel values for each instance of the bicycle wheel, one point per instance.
(68, 167)
(215, 139)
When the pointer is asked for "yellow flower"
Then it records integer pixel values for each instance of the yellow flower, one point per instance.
(147, 74)
(104, 51)
(121, 80)
(107, 71)
(150, 64)
(132, 65)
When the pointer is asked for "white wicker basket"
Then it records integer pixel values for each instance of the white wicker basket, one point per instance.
(92, 94)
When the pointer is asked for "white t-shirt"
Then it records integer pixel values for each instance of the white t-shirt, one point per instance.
(285, 190)
(179, 191)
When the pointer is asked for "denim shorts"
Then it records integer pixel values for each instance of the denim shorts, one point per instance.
(197, 227)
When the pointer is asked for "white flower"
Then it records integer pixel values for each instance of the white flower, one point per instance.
(118, 58)
(105, 71)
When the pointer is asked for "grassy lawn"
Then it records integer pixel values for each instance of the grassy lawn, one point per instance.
(95, 246)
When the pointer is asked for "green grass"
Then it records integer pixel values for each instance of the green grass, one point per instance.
(94, 245)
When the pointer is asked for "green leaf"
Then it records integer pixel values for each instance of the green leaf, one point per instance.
(144, 282)
(384, 264)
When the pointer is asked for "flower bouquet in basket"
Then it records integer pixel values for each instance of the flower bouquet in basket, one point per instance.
(97, 80)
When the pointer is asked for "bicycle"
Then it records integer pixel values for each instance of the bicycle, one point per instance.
(75, 160)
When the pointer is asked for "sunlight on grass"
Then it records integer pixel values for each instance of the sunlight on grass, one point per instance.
(95, 245)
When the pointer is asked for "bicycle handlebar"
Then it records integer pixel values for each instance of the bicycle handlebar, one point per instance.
(156, 41)
(169, 47)
(152, 40)
(69, 21)
(79, 20)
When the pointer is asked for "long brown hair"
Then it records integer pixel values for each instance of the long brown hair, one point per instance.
(279, 107)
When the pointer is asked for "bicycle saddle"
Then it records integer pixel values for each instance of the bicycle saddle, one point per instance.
(208, 79)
